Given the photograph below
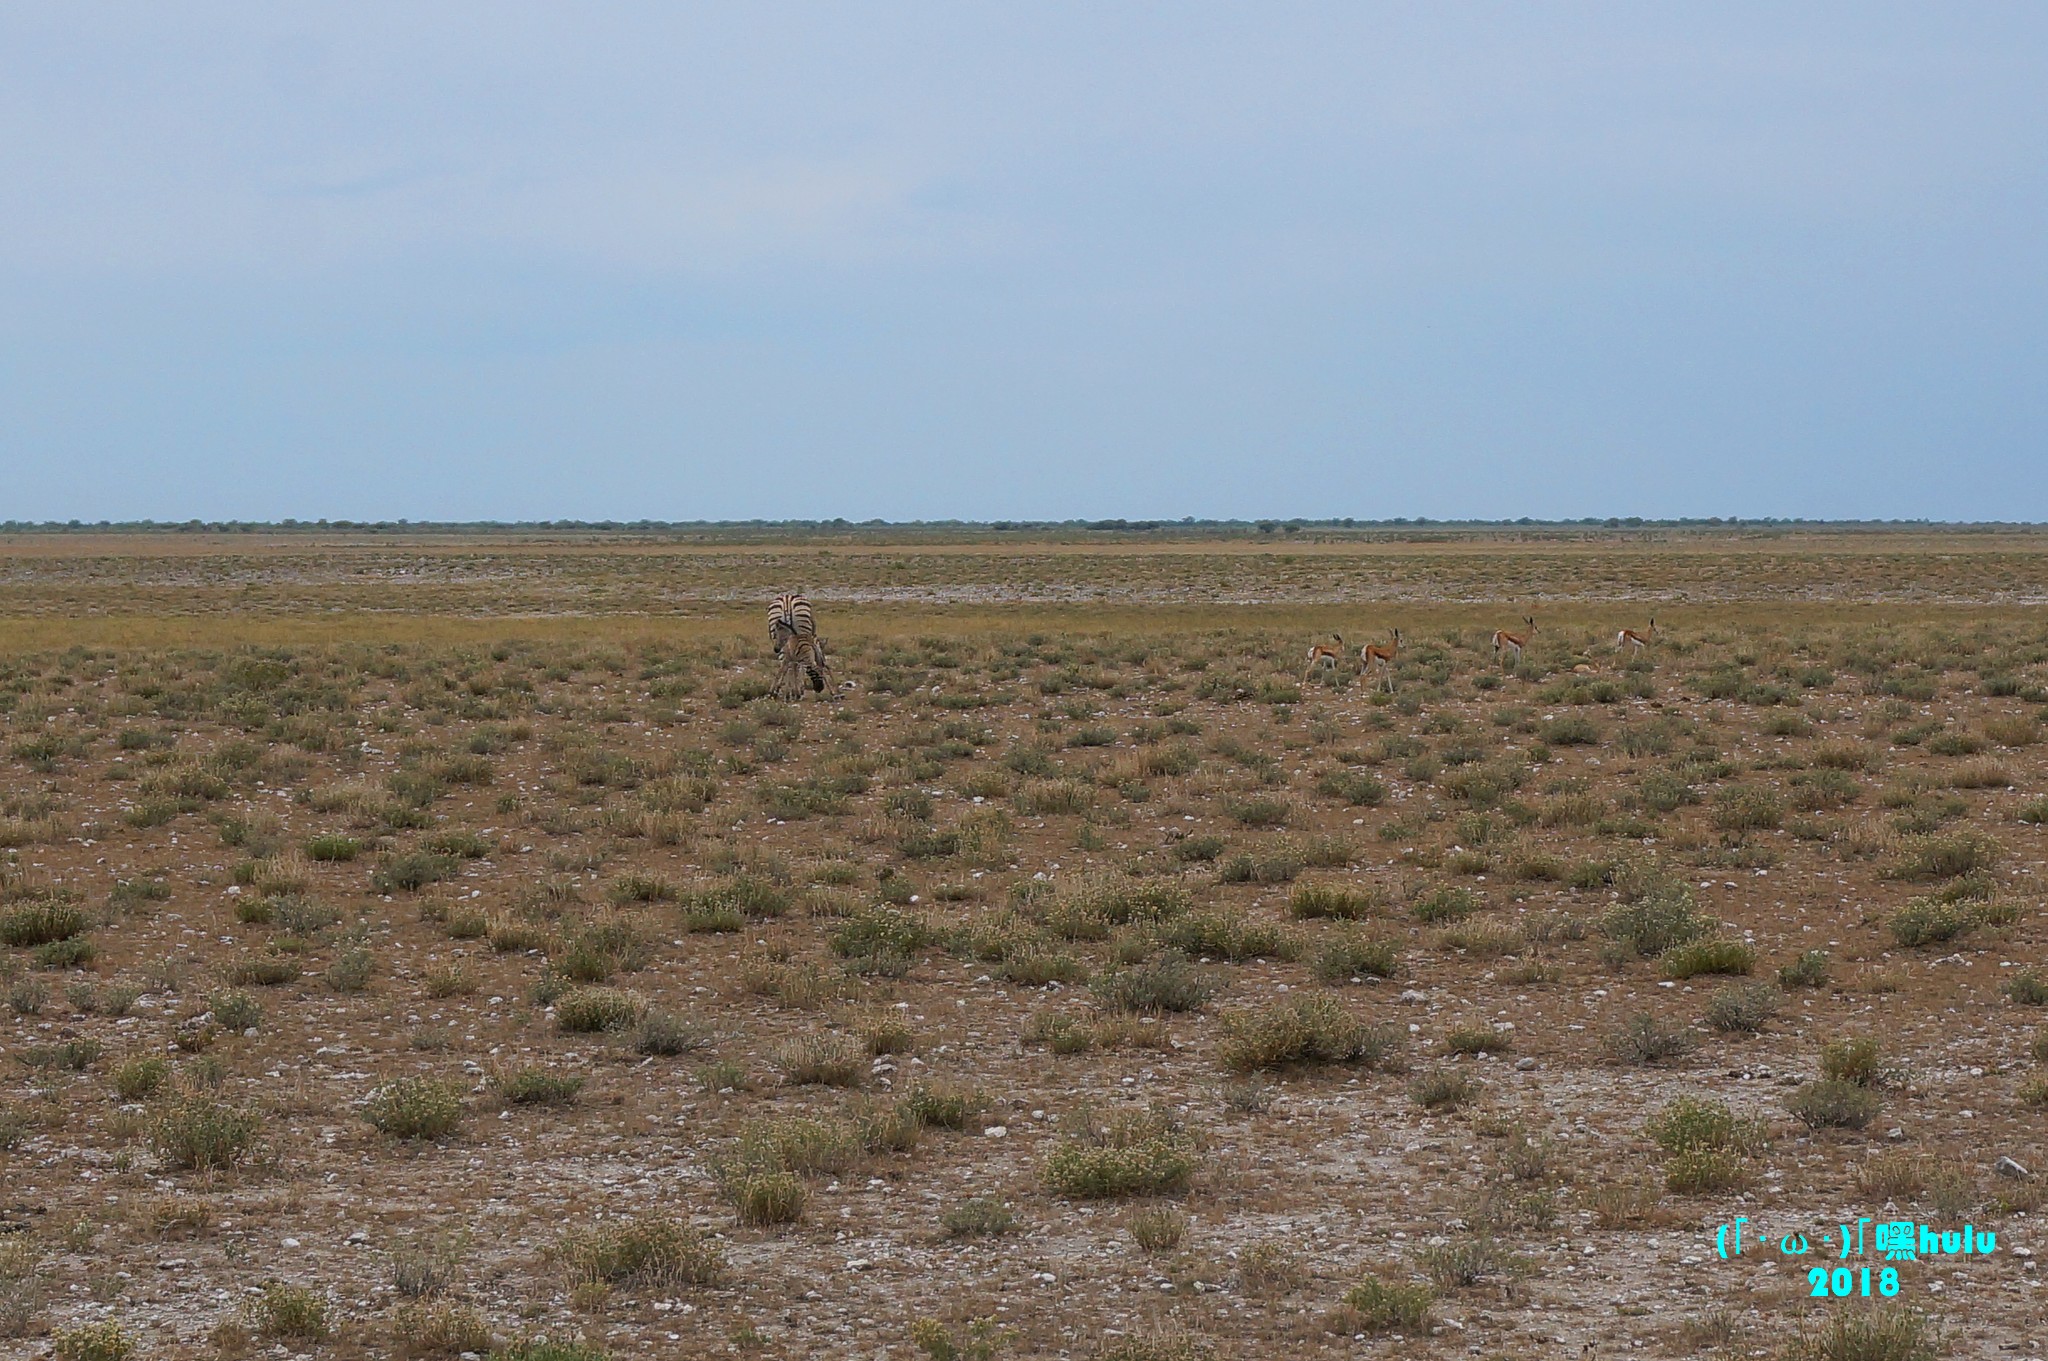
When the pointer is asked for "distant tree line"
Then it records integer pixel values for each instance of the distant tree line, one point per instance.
(1184, 525)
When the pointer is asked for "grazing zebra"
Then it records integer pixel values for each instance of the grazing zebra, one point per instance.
(1512, 644)
(1638, 641)
(793, 629)
(789, 616)
(1372, 654)
(1319, 655)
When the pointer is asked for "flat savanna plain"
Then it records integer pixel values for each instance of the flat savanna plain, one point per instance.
(425, 945)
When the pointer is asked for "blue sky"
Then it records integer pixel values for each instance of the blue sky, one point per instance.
(510, 260)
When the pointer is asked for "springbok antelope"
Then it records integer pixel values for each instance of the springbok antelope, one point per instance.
(1510, 645)
(1638, 641)
(1319, 655)
(1372, 654)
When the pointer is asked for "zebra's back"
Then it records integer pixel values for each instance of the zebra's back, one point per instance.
(790, 617)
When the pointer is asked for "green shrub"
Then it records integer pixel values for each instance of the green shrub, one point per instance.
(1948, 856)
(1090, 908)
(1279, 866)
(442, 1330)
(1442, 1090)
(1466, 1262)
(587, 1011)
(1831, 1104)
(1259, 811)
(1358, 788)
(40, 923)
(1376, 1305)
(1227, 935)
(1138, 1161)
(765, 1196)
(1743, 808)
(1657, 921)
(1446, 905)
(943, 1107)
(105, 1341)
(1889, 1333)
(1810, 970)
(1302, 1029)
(979, 1217)
(1332, 901)
(289, 1311)
(412, 870)
(1858, 1060)
(1930, 921)
(334, 847)
(1570, 730)
(1345, 957)
(821, 1060)
(648, 1251)
(1644, 1039)
(415, 1108)
(665, 1034)
(880, 931)
(1743, 1008)
(1703, 1171)
(2027, 988)
(140, 1079)
(1707, 957)
(77, 952)
(547, 1349)
(600, 949)
(350, 970)
(533, 1086)
(194, 1133)
(745, 894)
(235, 1010)
(1169, 984)
(1691, 1123)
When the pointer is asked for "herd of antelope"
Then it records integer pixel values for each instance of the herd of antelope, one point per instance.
(1507, 649)
(793, 629)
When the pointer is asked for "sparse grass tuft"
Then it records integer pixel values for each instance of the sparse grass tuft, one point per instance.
(1888, 1333)
(1301, 1030)
(649, 1251)
(1645, 1039)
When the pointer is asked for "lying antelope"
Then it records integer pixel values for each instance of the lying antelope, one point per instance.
(1319, 655)
(1372, 655)
(1511, 644)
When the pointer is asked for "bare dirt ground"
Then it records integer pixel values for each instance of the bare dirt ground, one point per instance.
(428, 947)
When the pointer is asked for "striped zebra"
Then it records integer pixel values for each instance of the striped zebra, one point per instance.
(793, 629)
